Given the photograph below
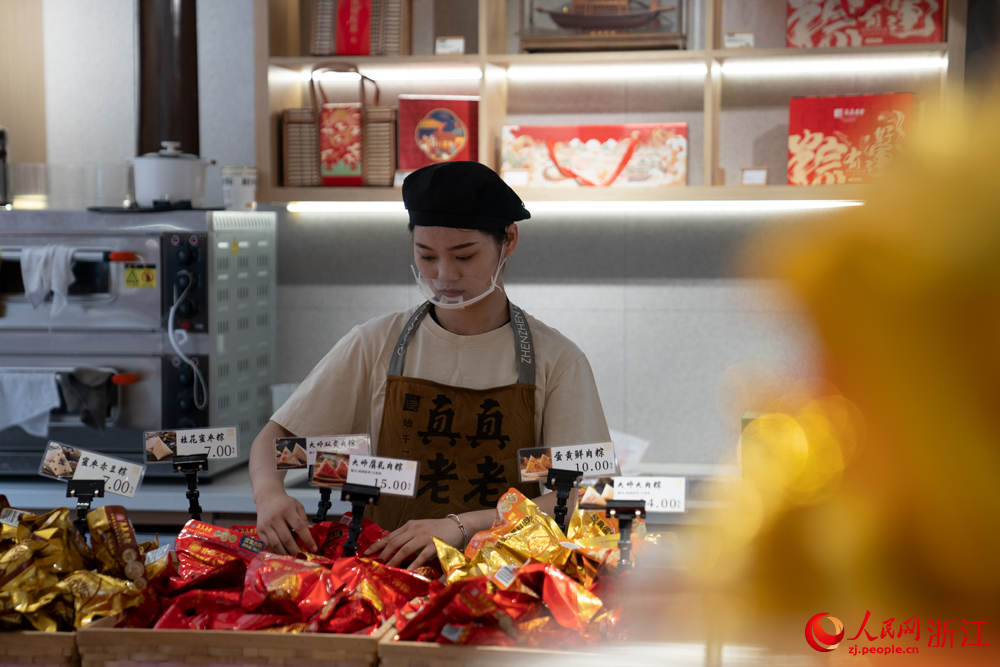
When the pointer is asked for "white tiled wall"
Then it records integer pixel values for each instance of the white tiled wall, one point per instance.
(663, 353)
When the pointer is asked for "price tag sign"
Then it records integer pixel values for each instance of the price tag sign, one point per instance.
(593, 460)
(397, 477)
(293, 453)
(662, 494)
(64, 463)
(163, 446)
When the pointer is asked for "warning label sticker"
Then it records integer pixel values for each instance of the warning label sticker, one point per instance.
(140, 275)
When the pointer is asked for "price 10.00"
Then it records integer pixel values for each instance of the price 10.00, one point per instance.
(598, 466)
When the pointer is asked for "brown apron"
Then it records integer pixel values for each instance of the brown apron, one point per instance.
(466, 440)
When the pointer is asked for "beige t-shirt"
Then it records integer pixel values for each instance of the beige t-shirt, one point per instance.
(344, 392)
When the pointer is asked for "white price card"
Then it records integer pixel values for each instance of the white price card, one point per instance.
(662, 494)
(218, 443)
(396, 477)
(593, 460)
(299, 452)
(64, 463)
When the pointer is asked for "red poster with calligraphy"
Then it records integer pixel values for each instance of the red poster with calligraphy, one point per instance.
(354, 18)
(816, 23)
(845, 139)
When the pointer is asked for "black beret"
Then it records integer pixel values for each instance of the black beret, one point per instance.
(465, 195)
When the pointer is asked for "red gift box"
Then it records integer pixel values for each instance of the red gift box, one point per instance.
(340, 143)
(436, 129)
(354, 19)
(630, 154)
(814, 23)
(845, 139)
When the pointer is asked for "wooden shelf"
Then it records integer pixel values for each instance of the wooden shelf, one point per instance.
(682, 193)
(847, 52)
(717, 102)
(610, 57)
(298, 62)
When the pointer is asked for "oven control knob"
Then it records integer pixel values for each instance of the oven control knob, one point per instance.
(183, 280)
(187, 255)
(185, 401)
(187, 308)
(184, 377)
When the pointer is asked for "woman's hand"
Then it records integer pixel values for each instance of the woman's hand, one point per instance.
(413, 543)
(279, 519)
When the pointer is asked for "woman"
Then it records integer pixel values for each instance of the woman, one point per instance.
(460, 384)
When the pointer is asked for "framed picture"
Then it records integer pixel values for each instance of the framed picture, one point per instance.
(753, 176)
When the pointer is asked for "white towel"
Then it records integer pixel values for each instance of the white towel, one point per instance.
(47, 269)
(26, 400)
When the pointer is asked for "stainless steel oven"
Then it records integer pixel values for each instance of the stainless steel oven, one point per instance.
(157, 300)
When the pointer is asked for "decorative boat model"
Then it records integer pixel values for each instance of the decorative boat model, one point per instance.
(592, 15)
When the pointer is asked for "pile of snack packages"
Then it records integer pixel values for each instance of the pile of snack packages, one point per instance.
(523, 581)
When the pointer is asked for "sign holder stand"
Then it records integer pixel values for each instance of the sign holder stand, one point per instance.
(190, 465)
(84, 490)
(563, 481)
(360, 496)
(324, 503)
(626, 511)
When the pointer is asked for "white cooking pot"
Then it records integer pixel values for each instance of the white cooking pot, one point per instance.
(169, 177)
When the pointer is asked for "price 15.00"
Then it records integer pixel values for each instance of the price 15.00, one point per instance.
(400, 486)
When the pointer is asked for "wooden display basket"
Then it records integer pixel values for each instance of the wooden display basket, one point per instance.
(30, 647)
(103, 645)
(393, 653)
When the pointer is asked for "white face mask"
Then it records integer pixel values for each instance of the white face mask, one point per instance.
(432, 289)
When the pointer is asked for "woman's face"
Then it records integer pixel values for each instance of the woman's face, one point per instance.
(457, 262)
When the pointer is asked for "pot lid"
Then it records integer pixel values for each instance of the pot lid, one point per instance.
(171, 149)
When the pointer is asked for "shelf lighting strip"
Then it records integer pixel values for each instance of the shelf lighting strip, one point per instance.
(605, 72)
(602, 208)
(731, 67)
(777, 67)
(423, 74)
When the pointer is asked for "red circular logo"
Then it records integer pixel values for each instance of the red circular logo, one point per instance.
(819, 638)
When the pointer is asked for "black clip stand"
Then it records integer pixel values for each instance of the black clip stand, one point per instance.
(360, 496)
(324, 503)
(562, 481)
(190, 465)
(84, 490)
(626, 511)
